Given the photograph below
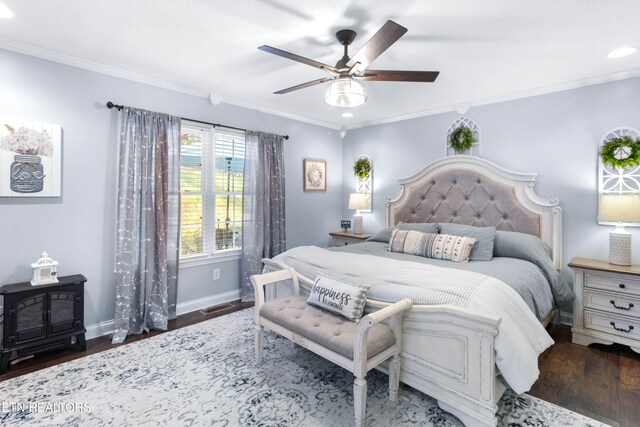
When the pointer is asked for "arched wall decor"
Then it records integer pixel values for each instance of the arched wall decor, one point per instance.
(365, 185)
(615, 179)
(471, 124)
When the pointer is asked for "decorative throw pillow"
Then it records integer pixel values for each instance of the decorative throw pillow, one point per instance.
(384, 235)
(429, 245)
(337, 296)
(485, 238)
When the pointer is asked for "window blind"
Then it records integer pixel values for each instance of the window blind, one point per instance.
(211, 166)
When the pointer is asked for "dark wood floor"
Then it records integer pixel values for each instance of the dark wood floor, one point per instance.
(602, 382)
(599, 381)
(96, 345)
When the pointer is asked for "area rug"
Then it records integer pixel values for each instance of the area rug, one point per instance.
(204, 375)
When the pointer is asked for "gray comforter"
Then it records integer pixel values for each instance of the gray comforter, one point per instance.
(523, 276)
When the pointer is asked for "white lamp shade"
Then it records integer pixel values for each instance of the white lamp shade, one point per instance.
(619, 208)
(345, 92)
(358, 201)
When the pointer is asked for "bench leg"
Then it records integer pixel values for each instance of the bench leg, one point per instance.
(360, 401)
(259, 334)
(394, 378)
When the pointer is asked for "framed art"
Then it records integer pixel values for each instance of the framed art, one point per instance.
(315, 175)
(30, 159)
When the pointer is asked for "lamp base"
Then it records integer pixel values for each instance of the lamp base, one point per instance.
(619, 248)
(357, 224)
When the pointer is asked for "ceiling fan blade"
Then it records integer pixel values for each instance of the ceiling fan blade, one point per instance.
(302, 86)
(298, 58)
(385, 37)
(400, 76)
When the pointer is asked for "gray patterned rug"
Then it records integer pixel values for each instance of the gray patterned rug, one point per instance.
(204, 375)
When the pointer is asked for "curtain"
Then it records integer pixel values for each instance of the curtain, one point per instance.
(148, 207)
(263, 217)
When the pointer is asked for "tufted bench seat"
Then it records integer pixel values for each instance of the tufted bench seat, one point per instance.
(357, 347)
(324, 328)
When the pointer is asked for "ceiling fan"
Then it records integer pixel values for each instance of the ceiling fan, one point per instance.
(346, 88)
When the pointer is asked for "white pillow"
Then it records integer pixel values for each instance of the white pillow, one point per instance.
(337, 296)
(429, 245)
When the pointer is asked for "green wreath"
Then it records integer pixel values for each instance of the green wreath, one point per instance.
(621, 152)
(461, 139)
(362, 168)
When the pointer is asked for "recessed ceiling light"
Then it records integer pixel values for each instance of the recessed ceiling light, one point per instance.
(5, 12)
(621, 51)
(347, 115)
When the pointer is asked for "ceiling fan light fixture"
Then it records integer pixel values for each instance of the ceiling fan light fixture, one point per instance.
(345, 92)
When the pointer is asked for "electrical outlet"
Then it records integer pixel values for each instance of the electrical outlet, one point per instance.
(216, 274)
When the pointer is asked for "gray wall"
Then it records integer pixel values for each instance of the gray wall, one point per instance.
(78, 229)
(555, 135)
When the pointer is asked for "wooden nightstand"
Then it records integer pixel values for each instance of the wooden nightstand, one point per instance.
(607, 304)
(343, 238)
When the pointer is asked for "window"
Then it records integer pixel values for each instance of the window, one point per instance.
(211, 169)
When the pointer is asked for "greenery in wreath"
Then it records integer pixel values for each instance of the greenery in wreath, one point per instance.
(362, 168)
(621, 152)
(461, 139)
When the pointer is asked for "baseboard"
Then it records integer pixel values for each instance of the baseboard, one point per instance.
(96, 330)
(566, 318)
(210, 301)
(105, 328)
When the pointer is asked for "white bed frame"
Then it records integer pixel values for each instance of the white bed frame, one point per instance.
(447, 351)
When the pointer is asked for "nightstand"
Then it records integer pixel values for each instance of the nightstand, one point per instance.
(607, 304)
(343, 238)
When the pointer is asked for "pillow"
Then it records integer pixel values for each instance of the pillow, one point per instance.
(530, 248)
(337, 296)
(512, 243)
(430, 245)
(384, 235)
(485, 236)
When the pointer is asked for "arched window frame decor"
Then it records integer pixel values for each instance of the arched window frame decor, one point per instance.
(615, 179)
(471, 124)
(366, 185)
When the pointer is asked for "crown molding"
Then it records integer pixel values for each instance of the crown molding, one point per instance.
(560, 87)
(109, 70)
(61, 58)
(249, 106)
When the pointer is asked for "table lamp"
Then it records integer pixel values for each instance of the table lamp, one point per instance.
(619, 208)
(358, 201)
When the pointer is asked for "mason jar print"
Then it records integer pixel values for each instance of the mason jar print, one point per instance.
(27, 174)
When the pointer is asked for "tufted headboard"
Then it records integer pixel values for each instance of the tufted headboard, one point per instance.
(470, 190)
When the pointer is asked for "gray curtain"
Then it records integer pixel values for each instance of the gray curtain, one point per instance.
(147, 238)
(263, 222)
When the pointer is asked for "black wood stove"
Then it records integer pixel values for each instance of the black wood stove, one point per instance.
(42, 318)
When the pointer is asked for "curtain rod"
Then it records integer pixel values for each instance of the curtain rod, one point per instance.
(118, 107)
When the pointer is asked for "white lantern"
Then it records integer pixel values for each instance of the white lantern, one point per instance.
(45, 270)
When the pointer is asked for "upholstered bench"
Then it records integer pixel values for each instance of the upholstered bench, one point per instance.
(357, 347)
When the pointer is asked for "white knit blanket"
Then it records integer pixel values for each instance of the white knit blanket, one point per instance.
(520, 340)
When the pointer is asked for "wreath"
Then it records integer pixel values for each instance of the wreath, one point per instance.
(362, 168)
(461, 139)
(621, 152)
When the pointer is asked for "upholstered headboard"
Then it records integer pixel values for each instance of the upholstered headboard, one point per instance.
(470, 190)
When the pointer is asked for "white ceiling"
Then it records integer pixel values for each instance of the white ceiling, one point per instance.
(485, 50)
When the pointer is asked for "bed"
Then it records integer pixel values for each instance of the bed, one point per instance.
(449, 350)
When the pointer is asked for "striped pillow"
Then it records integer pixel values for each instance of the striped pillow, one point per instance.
(344, 298)
(429, 245)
